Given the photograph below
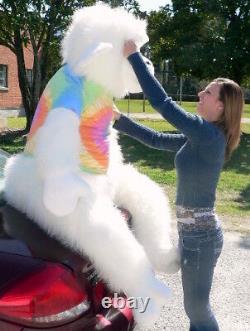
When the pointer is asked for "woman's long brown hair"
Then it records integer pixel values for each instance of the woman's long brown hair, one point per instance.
(231, 95)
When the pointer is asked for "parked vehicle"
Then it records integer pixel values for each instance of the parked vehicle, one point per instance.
(47, 286)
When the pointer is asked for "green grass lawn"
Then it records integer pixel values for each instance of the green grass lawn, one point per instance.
(136, 106)
(16, 122)
(233, 194)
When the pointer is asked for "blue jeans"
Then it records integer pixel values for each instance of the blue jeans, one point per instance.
(199, 253)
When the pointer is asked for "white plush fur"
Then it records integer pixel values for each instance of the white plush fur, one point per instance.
(93, 47)
(78, 208)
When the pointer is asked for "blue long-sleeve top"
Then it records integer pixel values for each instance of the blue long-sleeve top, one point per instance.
(199, 148)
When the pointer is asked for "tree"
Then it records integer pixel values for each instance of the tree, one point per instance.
(233, 48)
(130, 5)
(38, 24)
(204, 38)
(172, 38)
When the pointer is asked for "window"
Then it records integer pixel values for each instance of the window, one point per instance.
(29, 74)
(3, 76)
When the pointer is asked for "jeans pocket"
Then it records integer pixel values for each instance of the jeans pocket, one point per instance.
(190, 252)
(190, 243)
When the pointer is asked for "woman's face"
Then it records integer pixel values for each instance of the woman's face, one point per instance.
(209, 106)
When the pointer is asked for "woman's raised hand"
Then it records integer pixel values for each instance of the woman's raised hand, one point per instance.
(129, 48)
(116, 113)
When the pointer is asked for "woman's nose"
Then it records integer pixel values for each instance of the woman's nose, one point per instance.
(200, 94)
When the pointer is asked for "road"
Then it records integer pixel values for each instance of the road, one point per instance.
(155, 116)
(230, 295)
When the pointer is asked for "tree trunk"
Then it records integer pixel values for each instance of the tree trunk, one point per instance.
(237, 73)
(23, 81)
(36, 83)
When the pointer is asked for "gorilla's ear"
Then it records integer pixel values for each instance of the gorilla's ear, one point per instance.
(92, 52)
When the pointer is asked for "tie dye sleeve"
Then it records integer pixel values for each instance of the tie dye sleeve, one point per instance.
(67, 91)
(63, 91)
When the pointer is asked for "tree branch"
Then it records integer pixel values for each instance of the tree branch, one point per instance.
(4, 43)
(41, 38)
(6, 36)
(4, 8)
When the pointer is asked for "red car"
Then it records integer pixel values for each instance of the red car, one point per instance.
(47, 286)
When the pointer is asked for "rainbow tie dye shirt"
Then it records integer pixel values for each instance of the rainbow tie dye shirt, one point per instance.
(91, 103)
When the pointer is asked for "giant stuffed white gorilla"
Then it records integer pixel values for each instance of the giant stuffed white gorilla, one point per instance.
(71, 174)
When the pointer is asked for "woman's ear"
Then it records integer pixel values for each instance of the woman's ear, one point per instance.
(92, 52)
(220, 108)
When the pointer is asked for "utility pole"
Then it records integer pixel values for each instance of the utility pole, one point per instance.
(144, 104)
(181, 88)
(128, 104)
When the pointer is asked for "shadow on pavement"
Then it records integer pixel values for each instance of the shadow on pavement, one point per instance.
(244, 242)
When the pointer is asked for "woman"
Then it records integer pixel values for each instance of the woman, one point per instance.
(205, 141)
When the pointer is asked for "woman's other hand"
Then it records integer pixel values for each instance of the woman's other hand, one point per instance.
(129, 48)
(116, 113)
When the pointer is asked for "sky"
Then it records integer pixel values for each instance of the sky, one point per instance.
(152, 4)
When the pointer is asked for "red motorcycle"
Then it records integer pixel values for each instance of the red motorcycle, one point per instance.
(47, 286)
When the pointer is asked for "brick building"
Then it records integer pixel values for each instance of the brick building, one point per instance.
(10, 94)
